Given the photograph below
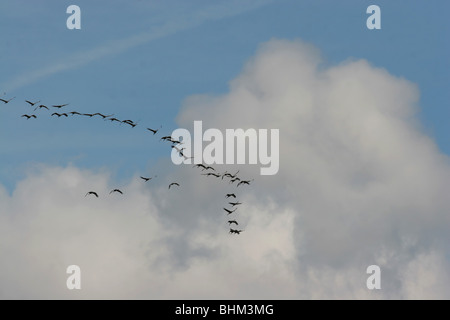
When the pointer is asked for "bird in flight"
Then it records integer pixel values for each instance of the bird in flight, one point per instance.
(113, 119)
(173, 184)
(116, 190)
(229, 211)
(211, 174)
(32, 103)
(6, 101)
(230, 195)
(93, 193)
(102, 115)
(244, 182)
(41, 106)
(200, 166)
(154, 130)
(230, 222)
(147, 179)
(235, 203)
(28, 116)
(90, 115)
(74, 113)
(59, 114)
(59, 106)
(235, 231)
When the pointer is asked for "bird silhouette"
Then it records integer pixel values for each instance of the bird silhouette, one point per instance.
(234, 203)
(230, 195)
(173, 184)
(199, 166)
(235, 231)
(93, 193)
(244, 182)
(229, 211)
(147, 179)
(116, 190)
(75, 113)
(154, 130)
(32, 103)
(230, 222)
(41, 106)
(59, 106)
(28, 116)
(6, 101)
(211, 174)
(59, 114)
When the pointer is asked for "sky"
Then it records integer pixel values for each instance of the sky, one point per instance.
(363, 149)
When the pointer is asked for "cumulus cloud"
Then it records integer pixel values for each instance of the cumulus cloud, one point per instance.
(359, 184)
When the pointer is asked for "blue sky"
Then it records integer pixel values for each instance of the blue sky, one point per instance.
(192, 48)
(364, 168)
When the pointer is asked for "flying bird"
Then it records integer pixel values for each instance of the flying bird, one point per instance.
(244, 182)
(209, 168)
(200, 166)
(154, 130)
(211, 174)
(41, 106)
(28, 116)
(93, 193)
(32, 103)
(230, 195)
(6, 101)
(116, 190)
(147, 179)
(234, 180)
(113, 119)
(235, 231)
(173, 184)
(229, 211)
(230, 222)
(59, 106)
(235, 203)
(59, 114)
(74, 113)
(102, 115)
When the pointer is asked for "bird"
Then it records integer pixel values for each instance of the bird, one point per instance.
(169, 138)
(233, 221)
(154, 130)
(173, 184)
(102, 115)
(235, 231)
(211, 174)
(234, 180)
(147, 179)
(59, 114)
(131, 124)
(113, 119)
(208, 168)
(75, 113)
(229, 211)
(235, 203)
(41, 106)
(200, 166)
(244, 182)
(59, 106)
(32, 103)
(93, 193)
(28, 116)
(230, 195)
(90, 115)
(6, 101)
(116, 190)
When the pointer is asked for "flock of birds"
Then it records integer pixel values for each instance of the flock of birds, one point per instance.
(206, 170)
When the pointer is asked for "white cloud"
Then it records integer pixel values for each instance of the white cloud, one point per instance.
(359, 184)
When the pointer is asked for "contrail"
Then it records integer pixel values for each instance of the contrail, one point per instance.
(211, 13)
